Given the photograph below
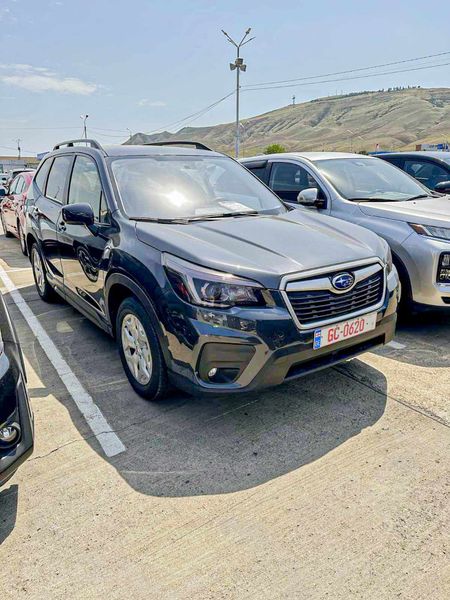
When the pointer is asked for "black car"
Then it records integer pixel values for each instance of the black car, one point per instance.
(430, 168)
(205, 278)
(16, 421)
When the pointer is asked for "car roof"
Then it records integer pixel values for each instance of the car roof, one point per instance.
(311, 156)
(433, 154)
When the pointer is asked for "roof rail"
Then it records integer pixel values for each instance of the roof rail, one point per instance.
(70, 143)
(198, 145)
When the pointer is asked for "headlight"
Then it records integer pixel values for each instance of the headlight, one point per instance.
(206, 287)
(387, 256)
(442, 233)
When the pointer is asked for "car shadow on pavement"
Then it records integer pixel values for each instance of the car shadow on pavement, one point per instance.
(11, 253)
(8, 510)
(426, 337)
(223, 445)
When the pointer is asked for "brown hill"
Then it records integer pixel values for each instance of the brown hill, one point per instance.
(397, 119)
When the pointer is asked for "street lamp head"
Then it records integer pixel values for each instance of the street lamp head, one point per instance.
(232, 66)
(239, 62)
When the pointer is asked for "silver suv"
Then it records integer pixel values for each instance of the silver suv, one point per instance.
(373, 193)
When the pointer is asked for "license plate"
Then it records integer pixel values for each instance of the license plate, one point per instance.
(325, 336)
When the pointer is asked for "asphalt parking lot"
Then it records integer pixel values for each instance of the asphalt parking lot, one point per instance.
(333, 486)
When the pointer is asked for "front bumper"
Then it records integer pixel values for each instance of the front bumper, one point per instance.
(11, 458)
(421, 260)
(265, 344)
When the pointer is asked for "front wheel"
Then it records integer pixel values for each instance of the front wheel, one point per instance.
(23, 244)
(140, 351)
(43, 287)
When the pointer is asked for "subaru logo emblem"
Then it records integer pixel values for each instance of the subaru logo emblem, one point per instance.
(343, 281)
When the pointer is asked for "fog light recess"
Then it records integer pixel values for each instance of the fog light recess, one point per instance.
(9, 434)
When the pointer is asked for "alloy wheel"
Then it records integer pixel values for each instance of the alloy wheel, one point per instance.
(136, 349)
(38, 270)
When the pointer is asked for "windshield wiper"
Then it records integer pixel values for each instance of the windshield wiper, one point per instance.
(419, 196)
(185, 220)
(158, 220)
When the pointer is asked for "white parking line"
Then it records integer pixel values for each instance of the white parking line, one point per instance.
(106, 437)
(396, 345)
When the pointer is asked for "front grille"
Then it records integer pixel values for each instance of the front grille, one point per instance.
(311, 306)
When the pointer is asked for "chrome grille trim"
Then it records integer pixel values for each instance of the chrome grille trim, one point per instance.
(319, 280)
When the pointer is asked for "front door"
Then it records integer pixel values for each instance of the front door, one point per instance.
(82, 249)
(47, 212)
(288, 179)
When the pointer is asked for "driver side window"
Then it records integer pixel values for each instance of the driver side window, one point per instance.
(288, 179)
(85, 186)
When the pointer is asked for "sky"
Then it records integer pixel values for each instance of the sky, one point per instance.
(143, 65)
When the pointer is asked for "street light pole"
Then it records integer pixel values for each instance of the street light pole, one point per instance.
(238, 66)
(84, 117)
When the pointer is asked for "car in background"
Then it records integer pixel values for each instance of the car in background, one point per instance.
(198, 270)
(12, 207)
(16, 419)
(372, 193)
(432, 169)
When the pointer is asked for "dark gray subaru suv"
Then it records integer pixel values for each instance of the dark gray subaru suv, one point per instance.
(204, 277)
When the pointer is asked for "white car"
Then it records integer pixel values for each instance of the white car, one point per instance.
(373, 193)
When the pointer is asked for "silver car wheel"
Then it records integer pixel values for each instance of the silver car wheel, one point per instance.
(136, 349)
(38, 270)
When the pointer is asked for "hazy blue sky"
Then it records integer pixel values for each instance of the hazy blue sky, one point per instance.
(143, 64)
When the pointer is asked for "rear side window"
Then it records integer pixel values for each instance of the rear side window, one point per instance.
(13, 186)
(85, 185)
(57, 177)
(41, 175)
(20, 185)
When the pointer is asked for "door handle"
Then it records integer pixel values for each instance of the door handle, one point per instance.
(36, 212)
(61, 227)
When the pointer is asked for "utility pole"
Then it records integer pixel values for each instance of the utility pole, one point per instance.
(84, 117)
(238, 66)
(293, 100)
(18, 147)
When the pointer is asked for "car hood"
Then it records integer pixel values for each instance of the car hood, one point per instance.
(427, 211)
(265, 247)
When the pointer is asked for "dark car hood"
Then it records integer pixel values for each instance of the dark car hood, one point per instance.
(264, 248)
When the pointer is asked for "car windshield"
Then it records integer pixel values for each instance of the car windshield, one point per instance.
(173, 187)
(366, 179)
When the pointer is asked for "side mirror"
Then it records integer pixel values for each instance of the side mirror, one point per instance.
(443, 187)
(78, 214)
(308, 197)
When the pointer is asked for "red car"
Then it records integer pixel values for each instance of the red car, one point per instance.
(12, 207)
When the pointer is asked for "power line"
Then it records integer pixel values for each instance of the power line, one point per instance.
(192, 116)
(389, 64)
(290, 85)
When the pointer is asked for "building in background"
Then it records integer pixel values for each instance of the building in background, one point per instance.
(12, 162)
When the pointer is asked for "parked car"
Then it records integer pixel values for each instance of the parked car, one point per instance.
(16, 420)
(12, 207)
(202, 275)
(432, 169)
(371, 192)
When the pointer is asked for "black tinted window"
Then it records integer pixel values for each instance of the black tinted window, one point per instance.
(41, 175)
(260, 172)
(57, 177)
(427, 172)
(289, 177)
(85, 185)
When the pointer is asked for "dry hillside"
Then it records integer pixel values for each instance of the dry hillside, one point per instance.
(395, 120)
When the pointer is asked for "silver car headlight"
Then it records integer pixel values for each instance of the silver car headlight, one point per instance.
(441, 233)
(205, 287)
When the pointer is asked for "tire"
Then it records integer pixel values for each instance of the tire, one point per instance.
(406, 305)
(23, 244)
(136, 337)
(5, 230)
(44, 289)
